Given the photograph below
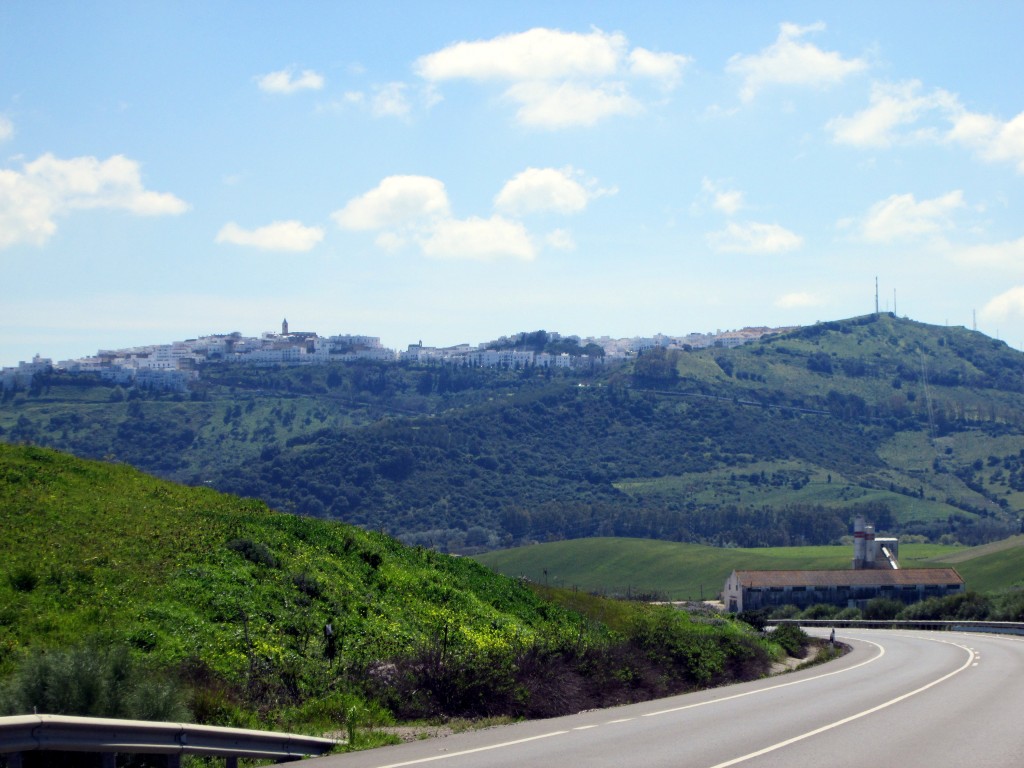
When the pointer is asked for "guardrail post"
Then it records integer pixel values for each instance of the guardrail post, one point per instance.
(109, 759)
(14, 760)
(230, 762)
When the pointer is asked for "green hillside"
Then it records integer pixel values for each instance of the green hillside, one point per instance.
(774, 443)
(231, 601)
(690, 571)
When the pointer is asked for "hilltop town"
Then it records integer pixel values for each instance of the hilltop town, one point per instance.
(174, 365)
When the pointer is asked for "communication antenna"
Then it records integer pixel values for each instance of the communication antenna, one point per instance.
(974, 319)
(876, 294)
(894, 301)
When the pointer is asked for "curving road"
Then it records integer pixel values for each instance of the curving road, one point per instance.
(900, 698)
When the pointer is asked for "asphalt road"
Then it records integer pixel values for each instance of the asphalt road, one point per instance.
(901, 698)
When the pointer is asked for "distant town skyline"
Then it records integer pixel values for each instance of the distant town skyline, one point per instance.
(453, 172)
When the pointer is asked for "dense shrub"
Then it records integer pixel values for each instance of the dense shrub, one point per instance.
(92, 680)
(254, 552)
(882, 609)
(819, 611)
(791, 638)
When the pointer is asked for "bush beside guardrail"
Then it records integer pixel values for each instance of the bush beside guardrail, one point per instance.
(28, 733)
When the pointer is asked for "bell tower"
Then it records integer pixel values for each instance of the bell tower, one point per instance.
(284, 327)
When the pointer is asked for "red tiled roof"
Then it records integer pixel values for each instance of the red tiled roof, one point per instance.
(862, 578)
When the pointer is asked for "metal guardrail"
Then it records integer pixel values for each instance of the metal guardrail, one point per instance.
(1003, 627)
(28, 733)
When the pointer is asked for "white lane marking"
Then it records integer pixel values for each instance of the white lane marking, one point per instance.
(881, 653)
(851, 718)
(585, 727)
(474, 751)
(622, 720)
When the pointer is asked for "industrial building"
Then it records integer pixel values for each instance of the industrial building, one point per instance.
(876, 573)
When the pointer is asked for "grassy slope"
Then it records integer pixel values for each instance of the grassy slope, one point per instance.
(989, 567)
(689, 571)
(97, 548)
(100, 553)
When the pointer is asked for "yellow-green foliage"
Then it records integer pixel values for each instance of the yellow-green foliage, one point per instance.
(99, 549)
(234, 600)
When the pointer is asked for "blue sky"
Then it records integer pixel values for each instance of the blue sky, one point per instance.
(455, 171)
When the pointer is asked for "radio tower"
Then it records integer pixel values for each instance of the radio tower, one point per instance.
(876, 294)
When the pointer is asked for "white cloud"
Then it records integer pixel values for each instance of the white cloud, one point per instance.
(414, 210)
(798, 301)
(1005, 305)
(558, 79)
(788, 61)
(667, 68)
(390, 241)
(894, 106)
(538, 54)
(754, 237)
(397, 201)
(727, 201)
(902, 113)
(390, 101)
(560, 240)
(994, 139)
(279, 236)
(286, 81)
(902, 216)
(1004, 255)
(479, 239)
(6, 128)
(564, 105)
(543, 189)
(48, 187)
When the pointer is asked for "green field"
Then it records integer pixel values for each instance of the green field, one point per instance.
(618, 566)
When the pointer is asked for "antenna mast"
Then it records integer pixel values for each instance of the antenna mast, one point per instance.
(876, 294)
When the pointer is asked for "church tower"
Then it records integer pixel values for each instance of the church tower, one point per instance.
(284, 327)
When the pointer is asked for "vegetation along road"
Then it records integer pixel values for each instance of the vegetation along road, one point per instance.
(900, 698)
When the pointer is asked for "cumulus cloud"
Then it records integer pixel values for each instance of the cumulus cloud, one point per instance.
(1005, 305)
(390, 100)
(6, 128)
(286, 81)
(798, 300)
(894, 106)
(754, 237)
(546, 189)
(48, 187)
(790, 61)
(398, 201)
(564, 105)
(478, 239)
(279, 236)
(665, 68)
(414, 210)
(901, 217)
(538, 54)
(1005, 255)
(558, 79)
(727, 201)
(560, 240)
(902, 113)
(994, 139)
